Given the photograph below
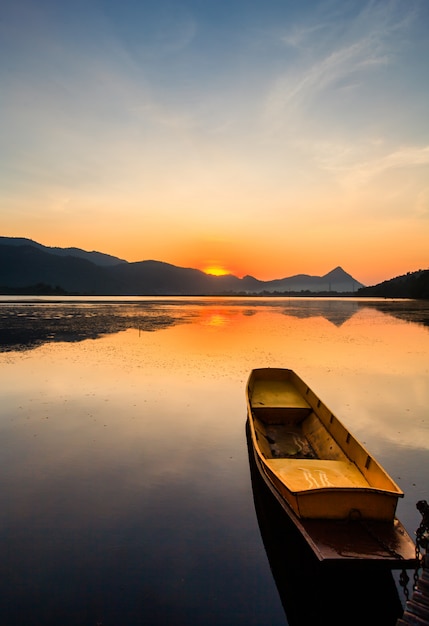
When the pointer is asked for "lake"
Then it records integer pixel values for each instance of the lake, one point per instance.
(128, 496)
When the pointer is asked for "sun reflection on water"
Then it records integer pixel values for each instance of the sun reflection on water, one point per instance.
(128, 435)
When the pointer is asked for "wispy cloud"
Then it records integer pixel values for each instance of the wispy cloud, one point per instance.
(405, 157)
(290, 94)
(299, 36)
(333, 54)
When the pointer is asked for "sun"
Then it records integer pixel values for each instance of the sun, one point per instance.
(216, 270)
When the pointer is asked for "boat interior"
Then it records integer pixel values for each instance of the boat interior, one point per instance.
(287, 427)
(292, 424)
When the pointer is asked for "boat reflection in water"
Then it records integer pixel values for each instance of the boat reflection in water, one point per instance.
(313, 592)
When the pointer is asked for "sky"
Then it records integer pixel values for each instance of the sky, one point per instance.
(269, 137)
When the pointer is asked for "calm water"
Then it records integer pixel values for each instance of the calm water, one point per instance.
(126, 488)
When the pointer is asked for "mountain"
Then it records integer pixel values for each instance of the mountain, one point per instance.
(336, 280)
(413, 285)
(95, 257)
(27, 266)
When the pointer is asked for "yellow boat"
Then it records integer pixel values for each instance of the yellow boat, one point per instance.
(339, 497)
(310, 457)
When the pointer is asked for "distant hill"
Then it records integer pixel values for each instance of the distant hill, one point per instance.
(413, 285)
(336, 280)
(29, 267)
(95, 257)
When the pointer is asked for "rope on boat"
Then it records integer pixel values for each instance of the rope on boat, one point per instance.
(416, 611)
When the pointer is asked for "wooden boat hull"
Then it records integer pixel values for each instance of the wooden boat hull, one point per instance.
(308, 456)
(334, 503)
(379, 544)
(360, 569)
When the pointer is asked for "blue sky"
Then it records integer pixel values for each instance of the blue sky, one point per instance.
(267, 138)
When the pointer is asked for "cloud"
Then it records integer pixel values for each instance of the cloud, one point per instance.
(422, 203)
(334, 52)
(405, 157)
(299, 36)
(355, 174)
(290, 96)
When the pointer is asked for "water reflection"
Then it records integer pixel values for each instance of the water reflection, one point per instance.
(25, 324)
(23, 327)
(336, 311)
(312, 592)
(124, 471)
(415, 311)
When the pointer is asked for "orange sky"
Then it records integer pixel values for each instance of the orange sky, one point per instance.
(268, 140)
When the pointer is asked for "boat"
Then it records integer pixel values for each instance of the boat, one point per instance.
(372, 592)
(341, 499)
(319, 468)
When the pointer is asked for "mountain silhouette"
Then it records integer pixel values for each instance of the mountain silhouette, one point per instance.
(26, 265)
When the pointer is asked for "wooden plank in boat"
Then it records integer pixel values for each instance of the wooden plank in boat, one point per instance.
(309, 474)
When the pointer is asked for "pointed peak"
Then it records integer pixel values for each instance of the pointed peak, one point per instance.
(336, 272)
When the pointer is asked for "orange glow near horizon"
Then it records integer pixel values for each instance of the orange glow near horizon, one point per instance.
(269, 260)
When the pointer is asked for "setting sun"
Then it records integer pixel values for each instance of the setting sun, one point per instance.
(216, 270)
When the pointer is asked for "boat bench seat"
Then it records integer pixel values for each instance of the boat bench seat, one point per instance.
(276, 402)
(310, 474)
(281, 415)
